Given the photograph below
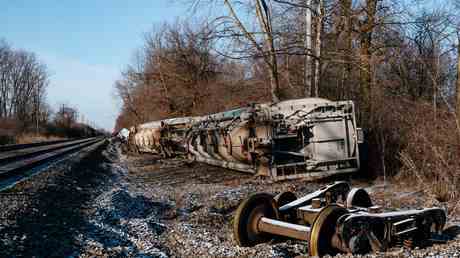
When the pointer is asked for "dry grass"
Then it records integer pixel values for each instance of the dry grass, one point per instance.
(8, 129)
(433, 151)
(421, 148)
(10, 133)
(30, 138)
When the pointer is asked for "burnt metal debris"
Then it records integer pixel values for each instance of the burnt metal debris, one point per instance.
(335, 219)
(308, 138)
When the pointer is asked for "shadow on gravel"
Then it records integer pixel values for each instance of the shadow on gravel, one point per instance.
(140, 207)
(49, 226)
(452, 231)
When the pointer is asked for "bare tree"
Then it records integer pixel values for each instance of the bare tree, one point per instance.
(366, 30)
(23, 81)
(270, 59)
(318, 44)
(308, 48)
(346, 22)
(263, 15)
(458, 76)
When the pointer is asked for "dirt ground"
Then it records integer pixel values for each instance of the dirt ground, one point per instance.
(107, 204)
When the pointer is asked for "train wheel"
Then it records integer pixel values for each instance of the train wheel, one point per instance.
(358, 197)
(282, 199)
(323, 230)
(245, 228)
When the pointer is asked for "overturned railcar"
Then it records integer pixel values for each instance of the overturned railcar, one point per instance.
(304, 138)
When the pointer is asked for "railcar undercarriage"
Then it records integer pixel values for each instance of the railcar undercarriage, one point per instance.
(335, 219)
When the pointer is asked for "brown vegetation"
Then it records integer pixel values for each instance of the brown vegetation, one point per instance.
(23, 81)
(398, 62)
(176, 74)
(25, 115)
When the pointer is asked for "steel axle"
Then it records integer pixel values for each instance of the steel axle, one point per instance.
(281, 228)
(334, 219)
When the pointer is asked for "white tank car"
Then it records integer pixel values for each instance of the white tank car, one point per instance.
(303, 138)
(123, 134)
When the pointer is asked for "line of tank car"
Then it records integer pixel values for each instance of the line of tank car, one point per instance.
(308, 138)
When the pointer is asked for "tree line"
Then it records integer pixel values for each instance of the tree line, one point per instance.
(337, 49)
(398, 60)
(24, 79)
(23, 82)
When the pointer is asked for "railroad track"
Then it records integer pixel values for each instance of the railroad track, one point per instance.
(20, 162)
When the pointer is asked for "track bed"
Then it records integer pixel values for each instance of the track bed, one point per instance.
(112, 205)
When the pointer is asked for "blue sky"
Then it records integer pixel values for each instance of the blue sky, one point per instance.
(85, 44)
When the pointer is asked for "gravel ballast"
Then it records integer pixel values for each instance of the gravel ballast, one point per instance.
(107, 204)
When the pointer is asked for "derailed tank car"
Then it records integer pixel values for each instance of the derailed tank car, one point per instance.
(304, 138)
(165, 137)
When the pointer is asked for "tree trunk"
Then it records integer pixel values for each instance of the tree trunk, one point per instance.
(308, 46)
(274, 80)
(319, 29)
(265, 23)
(365, 56)
(347, 53)
(365, 71)
(458, 81)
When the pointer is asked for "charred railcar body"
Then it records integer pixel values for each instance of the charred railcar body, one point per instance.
(304, 138)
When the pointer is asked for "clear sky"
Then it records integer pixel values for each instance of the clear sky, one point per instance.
(85, 44)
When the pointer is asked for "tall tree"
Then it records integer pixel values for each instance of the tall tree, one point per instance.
(458, 76)
(366, 31)
(308, 70)
(346, 21)
(318, 45)
(270, 59)
(23, 81)
(264, 16)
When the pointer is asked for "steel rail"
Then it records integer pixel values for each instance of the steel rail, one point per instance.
(17, 154)
(10, 147)
(24, 166)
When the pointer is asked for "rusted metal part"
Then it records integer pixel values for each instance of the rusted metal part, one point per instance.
(358, 197)
(277, 227)
(338, 219)
(331, 192)
(305, 138)
(247, 216)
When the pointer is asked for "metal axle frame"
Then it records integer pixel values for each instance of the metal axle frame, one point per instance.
(334, 219)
